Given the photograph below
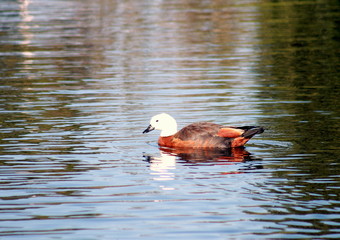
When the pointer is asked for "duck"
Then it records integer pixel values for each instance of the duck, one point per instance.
(200, 135)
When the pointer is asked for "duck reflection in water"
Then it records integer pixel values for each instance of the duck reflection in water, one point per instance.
(163, 165)
(191, 155)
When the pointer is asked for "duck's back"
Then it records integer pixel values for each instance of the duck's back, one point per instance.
(198, 130)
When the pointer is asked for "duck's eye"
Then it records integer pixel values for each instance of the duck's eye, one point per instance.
(156, 120)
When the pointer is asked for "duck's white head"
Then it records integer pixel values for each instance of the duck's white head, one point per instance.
(163, 122)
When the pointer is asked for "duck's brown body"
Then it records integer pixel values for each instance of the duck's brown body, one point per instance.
(210, 135)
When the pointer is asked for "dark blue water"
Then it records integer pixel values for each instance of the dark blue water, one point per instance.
(81, 79)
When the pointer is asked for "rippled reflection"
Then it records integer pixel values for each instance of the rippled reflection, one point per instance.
(163, 165)
(214, 156)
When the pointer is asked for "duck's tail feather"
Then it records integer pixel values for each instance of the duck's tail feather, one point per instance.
(250, 131)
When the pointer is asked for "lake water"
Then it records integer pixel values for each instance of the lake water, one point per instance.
(80, 80)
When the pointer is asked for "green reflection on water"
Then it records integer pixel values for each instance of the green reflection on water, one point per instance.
(300, 70)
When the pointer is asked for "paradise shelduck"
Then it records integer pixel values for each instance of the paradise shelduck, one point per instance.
(201, 134)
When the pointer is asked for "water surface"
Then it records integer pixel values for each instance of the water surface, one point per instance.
(81, 79)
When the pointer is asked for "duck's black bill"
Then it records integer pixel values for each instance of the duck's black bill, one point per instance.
(149, 129)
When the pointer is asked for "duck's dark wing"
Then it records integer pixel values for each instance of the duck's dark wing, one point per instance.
(198, 130)
(211, 135)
